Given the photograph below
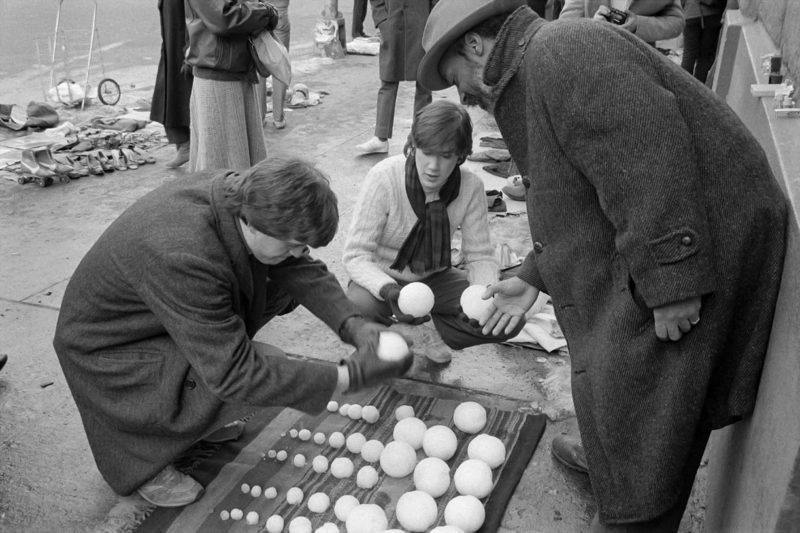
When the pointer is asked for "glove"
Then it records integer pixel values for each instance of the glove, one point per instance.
(390, 293)
(471, 322)
(366, 369)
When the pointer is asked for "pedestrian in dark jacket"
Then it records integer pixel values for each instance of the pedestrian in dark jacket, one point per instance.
(701, 35)
(657, 228)
(173, 88)
(154, 333)
(400, 23)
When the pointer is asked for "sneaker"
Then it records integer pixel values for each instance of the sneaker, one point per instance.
(181, 157)
(427, 342)
(515, 188)
(569, 452)
(374, 146)
(171, 488)
(279, 124)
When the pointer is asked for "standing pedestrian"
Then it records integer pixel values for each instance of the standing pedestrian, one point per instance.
(658, 231)
(701, 35)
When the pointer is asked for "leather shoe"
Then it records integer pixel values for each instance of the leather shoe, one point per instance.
(226, 433)
(181, 157)
(170, 488)
(373, 146)
(569, 452)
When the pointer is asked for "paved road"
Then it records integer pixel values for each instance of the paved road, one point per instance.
(127, 30)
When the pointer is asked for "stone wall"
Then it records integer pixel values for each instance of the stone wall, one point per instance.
(781, 19)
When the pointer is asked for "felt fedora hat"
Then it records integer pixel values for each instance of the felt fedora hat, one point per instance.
(449, 20)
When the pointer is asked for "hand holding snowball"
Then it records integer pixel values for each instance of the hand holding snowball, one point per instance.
(370, 368)
(391, 295)
(512, 299)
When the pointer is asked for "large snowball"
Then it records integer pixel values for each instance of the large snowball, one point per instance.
(370, 414)
(274, 524)
(473, 305)
(466, 512)
(355, 441)
(367, 477)
(410, 430)
(469, 417)
(343, 506)
(488, 449)
(403, 411)
(328, 527)
(416, 299)
(300, 524)
(392, 346)
(439, 441)
(366, 518)
(371, 450)
(416, 511)
(432, 475)
(342, 467)
(398, 459)
(447, 529)
(319, 502)
(473, 477)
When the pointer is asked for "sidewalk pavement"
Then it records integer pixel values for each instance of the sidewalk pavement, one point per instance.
(48, 480)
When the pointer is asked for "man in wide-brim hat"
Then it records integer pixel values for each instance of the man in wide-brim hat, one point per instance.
(658, 230)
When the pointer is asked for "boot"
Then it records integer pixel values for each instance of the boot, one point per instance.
(181, 157)
(171, 488)
(427, 341)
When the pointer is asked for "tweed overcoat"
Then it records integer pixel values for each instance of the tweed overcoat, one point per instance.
(645, 189)
(154, 333)
(401, 23)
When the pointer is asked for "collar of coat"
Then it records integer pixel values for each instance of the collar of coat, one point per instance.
(509, 49)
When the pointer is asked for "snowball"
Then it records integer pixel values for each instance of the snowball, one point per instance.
(299, 460)
(319, 437)
(224, 515)
(270, 493)
(355, 441)
(274, 524)
(466, 512)
(416, 511)
(304, 434)
(370, 414)
(327, 527)
(398, 459)
(300, 524)
(403, 411)
(371, 450)
(237, 514)
(367, 477)
(293, 433)
(294, 496)
(446, 529)
(336, 440)
(320, 464)
(354, 411)
(333, 406)
(255, 491)
(343, 506)
(473, 477)
(343, 409)
(318, 502)
(392, 346)
(410, 430)
(473, 305)
(245, 488)
(469, 417)
(439, 441)
(281, 455)
(488, 449)
(366, 518)
(252, 518)
(416, 299)
(342, 467)
(432, 475)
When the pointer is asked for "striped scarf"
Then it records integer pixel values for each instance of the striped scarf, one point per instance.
(427, 247)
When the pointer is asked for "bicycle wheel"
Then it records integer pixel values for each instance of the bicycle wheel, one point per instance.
(108, 91)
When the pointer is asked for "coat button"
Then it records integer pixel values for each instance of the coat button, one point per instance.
(686, 240)
(190, 383)
(538, 247)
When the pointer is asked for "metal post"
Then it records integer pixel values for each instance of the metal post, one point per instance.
(55, 46)
(89, 61)
(330, 36)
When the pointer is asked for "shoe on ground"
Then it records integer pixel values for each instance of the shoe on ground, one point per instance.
(374, 146)
(515, 188)
(279, 124)
(181, 157)
(3, 359)
(427, 342)
(569, 452)
(171, 488)
(227, 433)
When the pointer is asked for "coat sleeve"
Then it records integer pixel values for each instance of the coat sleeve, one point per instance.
(624, 132)
(231, 17)
(666, 24)
(192, 298)
(314, 287)
(379, 12)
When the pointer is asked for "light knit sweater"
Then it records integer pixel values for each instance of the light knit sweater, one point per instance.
(384, 218)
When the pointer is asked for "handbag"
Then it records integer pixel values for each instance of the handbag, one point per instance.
(271, 57)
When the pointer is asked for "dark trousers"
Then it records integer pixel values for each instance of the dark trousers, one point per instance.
(387, 98)
(177, 134)
(700, 38)
(670, 520)
(447, 287)
(359, 14)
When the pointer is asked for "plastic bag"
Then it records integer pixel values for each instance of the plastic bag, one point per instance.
(271, 57)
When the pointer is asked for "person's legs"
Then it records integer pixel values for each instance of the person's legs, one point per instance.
(179, 136)
(707, 53)
(387, 98)
(369, 306)
(691, 44)
(283, 33)
(669, 521)
(359, 14)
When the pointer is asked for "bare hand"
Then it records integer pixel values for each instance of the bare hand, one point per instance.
(512, 299)
(675, 319)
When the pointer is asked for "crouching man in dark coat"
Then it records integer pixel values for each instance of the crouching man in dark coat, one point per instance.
(154, 334)
(657, 227)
